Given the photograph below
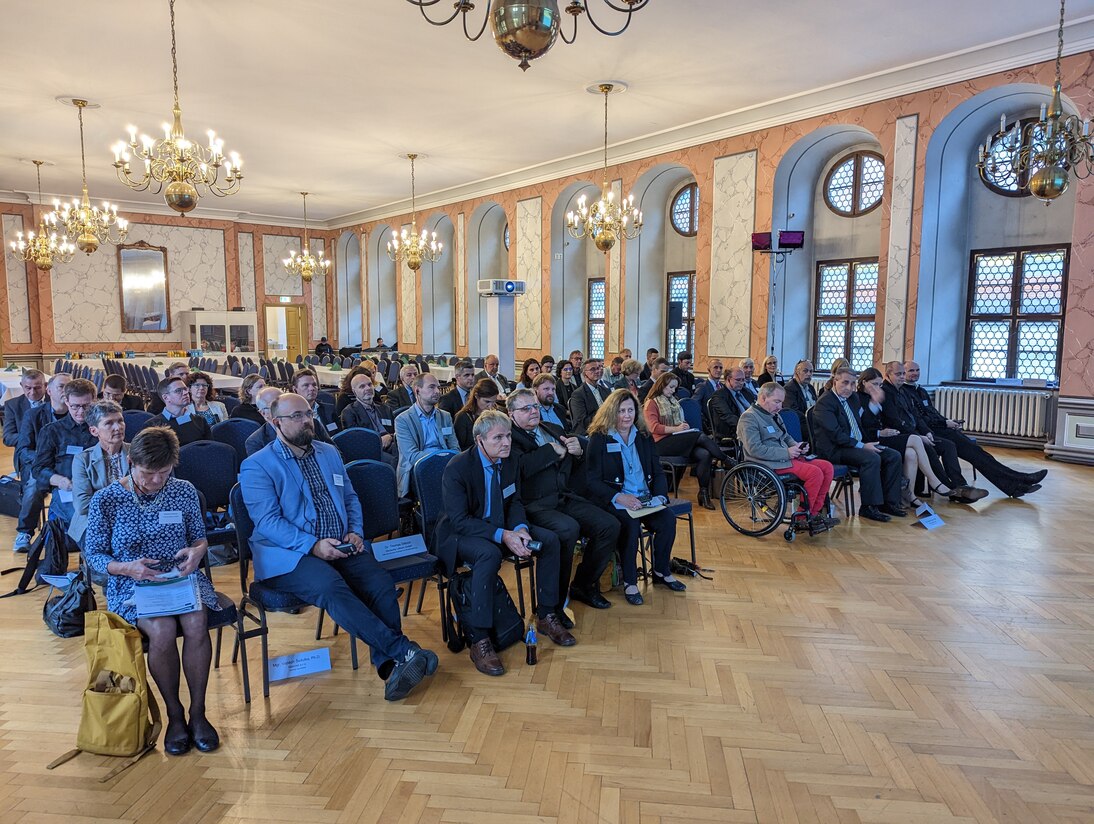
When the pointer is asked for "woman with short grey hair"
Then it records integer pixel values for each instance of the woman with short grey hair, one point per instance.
(98, 467)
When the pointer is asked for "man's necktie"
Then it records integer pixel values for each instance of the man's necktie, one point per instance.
(741, 404)
(497, 503)
(856, 433)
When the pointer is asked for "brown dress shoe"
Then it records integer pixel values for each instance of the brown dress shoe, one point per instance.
(485, 658)
(553, 629)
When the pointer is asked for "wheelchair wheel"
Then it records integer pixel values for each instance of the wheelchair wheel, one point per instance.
(753, 499)
(789, 535)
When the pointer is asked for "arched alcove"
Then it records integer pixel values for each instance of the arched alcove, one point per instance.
(487, 257)
(348, 289)
(383, 297)
(573, 262)
(958, 217)
(438, 290)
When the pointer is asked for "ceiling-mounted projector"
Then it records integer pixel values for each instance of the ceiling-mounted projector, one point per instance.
(501, 287)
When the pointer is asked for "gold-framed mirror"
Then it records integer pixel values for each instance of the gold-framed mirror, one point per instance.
(143, 286)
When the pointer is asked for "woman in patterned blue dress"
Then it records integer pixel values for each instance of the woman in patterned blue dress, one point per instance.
(134, 525)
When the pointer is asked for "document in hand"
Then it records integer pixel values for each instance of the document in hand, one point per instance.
(175, 596)
(642, 512)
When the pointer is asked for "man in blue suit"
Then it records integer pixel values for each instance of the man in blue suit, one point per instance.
(307, 542)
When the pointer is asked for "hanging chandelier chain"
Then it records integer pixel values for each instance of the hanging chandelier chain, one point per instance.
(38, 169)
(607, 91)
(83, 158)
(1060, 41)
(174, 56)
(307, 248)
(413, 197)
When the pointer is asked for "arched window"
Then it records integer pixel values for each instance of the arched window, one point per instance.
(685, 211)
(505, 237)
(999, 173)
(855, 184)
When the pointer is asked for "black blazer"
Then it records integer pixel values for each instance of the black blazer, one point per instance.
(463, 490)
(751, 391)
(399, 397)
(14, 410)
(724, 413)
(831, 429)
(247, 411)
(196, 429)
(544, 476)
(354, 415)
(926, 412)
(604, 476)
(796, 395)
(327, 421)
(258, 439)
(463, 426)
(451, 402)
(583, 407)
(686, 378)
(898, 413)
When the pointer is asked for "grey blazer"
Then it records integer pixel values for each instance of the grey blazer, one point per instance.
(411, 440)
(90, 473)
(763, 438)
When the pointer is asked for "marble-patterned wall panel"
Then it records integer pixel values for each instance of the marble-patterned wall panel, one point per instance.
(900, 238)
(247, 271)
(318, 297)
(530, 270)
(18, 306)
(87, 300)
(275, 249)
(614, 332)
(461, 283)
(408, 328)
(732, 222)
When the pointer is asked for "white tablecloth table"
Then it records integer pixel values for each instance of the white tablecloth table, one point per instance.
(442, 373)
(226, 382)
(328, 376)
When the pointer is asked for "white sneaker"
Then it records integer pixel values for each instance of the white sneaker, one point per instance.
(22, 542)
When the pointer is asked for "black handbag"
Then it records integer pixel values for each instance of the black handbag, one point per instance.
(64, 612)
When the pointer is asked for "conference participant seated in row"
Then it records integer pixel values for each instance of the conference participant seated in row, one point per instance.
(769, 371)
(178, 369)
(490, 370)
(647, 368)
(566, 382)
(484, 517)
(660, 367)
(366, 412)
(33, 384)
(176, 412)
(547, 365)
(673, 436)
(614, 379)
(837, 364)
(101, 465)
(114, 389)
(455, 399)
(402, 395)
(683, 372)
(529, 371)
(483, 398)
(705, 389)
(146, 522)
(203, 402)
(33, 498)
(1010, 481)
(266, 433)
(58, 443)
(550, 410)
(248, 392)
(306, 385)
(728, 404)
(549, 472)
(422, 428)
(764, 439)
(576, 360)
(751, 387)
(307, 543)
(622, 473)
(800, 394)
(837, 429)
(588, 397)
(630, 370)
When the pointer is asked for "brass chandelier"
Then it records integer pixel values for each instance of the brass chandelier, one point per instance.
(185, 167)
(89, 225)
(527, 29)
(1046, 152)
(412, 246)
(605, 221)
(305, 264)
(44, 248)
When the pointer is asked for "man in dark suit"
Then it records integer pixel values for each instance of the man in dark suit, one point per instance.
(550, 411)
(114, 390)
(33, 384)
(483, 516)
(58, 442)
(266, 433)
(178, 369)
(176, 412)
(651, 357)
(800, 394)
(706, 388)
(453, 400)
(660, 367)
(491, 372)
(751, 388)
(402, 395)
(305, 383)
(839, 439)
(727, 405)
(587, 398)
(547, 459)
(682, 370)
(366, 412)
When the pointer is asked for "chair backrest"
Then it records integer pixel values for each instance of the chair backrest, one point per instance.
(244, 529)
(793, 423)
(327, 398)
(425, 479)
(135, 421)
(347, 363)
(325, 360)
(378, 491)
(692, 413)
(235, 432)
(212, 467)
(480, 363)
(237, 370)
(809, 426)
(299, 358)
(358, 444)
(281, 372)
(393, 372)
(229, 402)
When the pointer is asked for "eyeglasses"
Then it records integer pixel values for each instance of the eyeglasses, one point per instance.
(523, 408)
(199, 386)
(182, 390)
(72, 407)
(295, 416)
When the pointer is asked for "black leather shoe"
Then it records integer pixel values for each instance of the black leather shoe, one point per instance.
(589, 597)
(206, 741)
(1024, 490)
(967, 494)
(704, 499)
(872, 513)
(564, 619)
(176, 743)
(675, 586)
(635, 599)
(1035, 477)
(892, 509)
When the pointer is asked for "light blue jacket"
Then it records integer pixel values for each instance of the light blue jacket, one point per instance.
(280, 504)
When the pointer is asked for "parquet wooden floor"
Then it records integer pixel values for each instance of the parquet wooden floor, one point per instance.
(874, 674)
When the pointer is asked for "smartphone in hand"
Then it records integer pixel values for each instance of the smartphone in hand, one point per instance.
(345, 548)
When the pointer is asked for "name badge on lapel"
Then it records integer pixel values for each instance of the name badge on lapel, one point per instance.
(339, 480)
(509, 490)
(385, 421)
(183, 419)
(331, 426)
(771, 429)
(171, 517)
(614, 447)
(446, 430)
(925, 401)
(73, 450)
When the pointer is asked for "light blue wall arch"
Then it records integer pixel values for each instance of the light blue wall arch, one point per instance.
(383, 296)
(438, 290)
(487, 257)
(348, 289)
(571, 268)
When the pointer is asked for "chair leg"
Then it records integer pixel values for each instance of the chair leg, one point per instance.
(520, 592)
(406, 604)
(241, 645)
(421, 597)
(319, 624)
(691, 535)
(353, 649)
(265, 654)
(216, 658)
(531, 587)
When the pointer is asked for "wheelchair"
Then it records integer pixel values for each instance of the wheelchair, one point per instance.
(756, 501)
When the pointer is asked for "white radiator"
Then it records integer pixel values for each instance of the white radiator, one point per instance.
(1006, 412)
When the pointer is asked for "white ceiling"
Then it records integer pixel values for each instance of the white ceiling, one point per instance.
(324, 95)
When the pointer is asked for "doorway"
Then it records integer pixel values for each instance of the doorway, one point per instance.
(286, 331)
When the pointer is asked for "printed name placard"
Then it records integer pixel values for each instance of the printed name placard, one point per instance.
(398, 547)
(299, 663)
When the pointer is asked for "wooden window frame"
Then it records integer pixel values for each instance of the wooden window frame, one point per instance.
(591, 321)
(689, 318)
(693, 213)
(856, 189)
(848, 317)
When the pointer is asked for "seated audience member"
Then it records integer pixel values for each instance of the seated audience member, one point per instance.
(422, 428)
(58, 443)
(622, 473)
(728, 404)
(626, 355)
(660, 367)
(128, 538)
(203, 402)
(490, 370)
(630, 371)
(764, 439)
(306, 385)
(114, 389)
(565, 383)
(664, 418)
(529, 370)
(98, 467)
(647, 368)
(705, 389)
(483, 398)
(576, 360)
(34, 421)
(837, 364)
(377, 379)
(176, 412)
(770, 371)
(751, 389)
(587, 398)
(178, 369)
(837, 428)
(323, 349)
(366, 412)
(683, 372)
(402, 395)
(33, 384)
(894, 430)
(614, 379)
(550, 410)
(547, 459)
(1010, 481)
(345, 396)
(547, 365)
(265, 433)
(484, 517)
(455, 399)
(248, 391)
(800, 394)
(305, 513)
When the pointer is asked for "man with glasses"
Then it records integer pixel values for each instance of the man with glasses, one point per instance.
(176, 412)
(728, 404)
(58, 443)
(34, 421)
(550, 410)
(305, 383)
(587, 397)
(491, 366)
(307, 543)
(114, 390)
(178, 369)
(548, 461)
(423, 428)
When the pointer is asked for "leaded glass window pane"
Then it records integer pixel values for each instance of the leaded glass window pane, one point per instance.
(685, 210)
(873, 182)
(862, 344)
(1038, 345)
(1042, 283)
(865, 297)
(841, 188)
(831, 342)
(832, 295)
(988, 349)
(844, 309)
(856, 184)
(994, 284)
(597, 291)
(596, 316)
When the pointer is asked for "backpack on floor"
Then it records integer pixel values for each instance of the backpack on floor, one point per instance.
(120, 715)
(65, 613)
(508, 626)
(48, 555)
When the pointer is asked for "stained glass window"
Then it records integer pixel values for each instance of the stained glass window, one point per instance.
(594, 346)
(505, 237)
(681, 338)
(855, 184)
(685, 210)
(846, 302)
